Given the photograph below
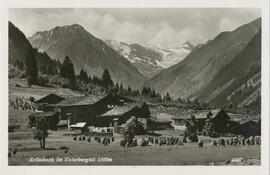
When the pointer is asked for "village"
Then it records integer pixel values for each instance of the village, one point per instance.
(112, 126)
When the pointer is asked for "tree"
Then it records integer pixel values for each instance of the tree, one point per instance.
(190, 132)
(50, 70)
(67, 71)
(83, 76)
(167, 98)
(107, 80)
(153, 94)
(159, 97)
(19, 64)
(129, 91)
(196, 104)
(41, 131)
(121, 89)
(116, 88)
(31, 70)
(209, 128)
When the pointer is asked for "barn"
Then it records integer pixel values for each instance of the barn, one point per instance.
(119, 114)
(218, 116)
(89, 108)
(44, 103)
(161, 124)
(220, 121)
(249, 128)
(50, 99)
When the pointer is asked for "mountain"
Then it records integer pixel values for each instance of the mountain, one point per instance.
(173, 55)
(188, 78)
(18, 47)
(144, 59)
(151, 60)
(187, 45)
(240, 80)
(87, 52)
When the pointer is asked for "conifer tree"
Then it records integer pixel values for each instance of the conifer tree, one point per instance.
(116, 88)
(107, 80)
(31, 70)
(83, 75)
(129, 91)
(167, 98)
(67, 71)
(121, 89)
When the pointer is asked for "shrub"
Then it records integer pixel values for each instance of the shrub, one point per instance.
(64, 148)
(22, 75)
(32, 99)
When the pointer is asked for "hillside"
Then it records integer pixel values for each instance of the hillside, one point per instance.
(87, 52)
(238, 81)
(19, 47)
(188, 78)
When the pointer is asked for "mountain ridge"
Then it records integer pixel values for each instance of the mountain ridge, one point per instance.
(151, 60)
(19, 47)
(186, 78)
(87, 52)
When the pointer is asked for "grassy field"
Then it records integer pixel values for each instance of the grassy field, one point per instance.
(188, 154)
(35, 91)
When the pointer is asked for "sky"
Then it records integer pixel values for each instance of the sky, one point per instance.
(169, 27)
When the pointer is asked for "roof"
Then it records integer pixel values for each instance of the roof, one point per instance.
(62, 123)
(164, 116)
(80, 100)
(246, 122)
(161, 121)
(78, 125)
(50, 99)
(199, 114)
(43, 114)
(117, 99)
(221, 114)
(121, 109)
(92, 99)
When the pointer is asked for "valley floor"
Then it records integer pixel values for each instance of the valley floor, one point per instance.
(114, 154)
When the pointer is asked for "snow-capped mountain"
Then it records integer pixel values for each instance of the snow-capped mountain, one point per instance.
(172, 56)
(144, 59)
(151, 60)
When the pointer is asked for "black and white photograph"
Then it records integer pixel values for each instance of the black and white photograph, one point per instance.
(93, 86)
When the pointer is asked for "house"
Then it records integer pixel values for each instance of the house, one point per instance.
(81, 126)
(186, 116)
(249, 128)
(161, 124)
(48, 100)
(220, 121)
(88, 108)
(231, 128)
(119, 114)
(63, 124)
(218, 116)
